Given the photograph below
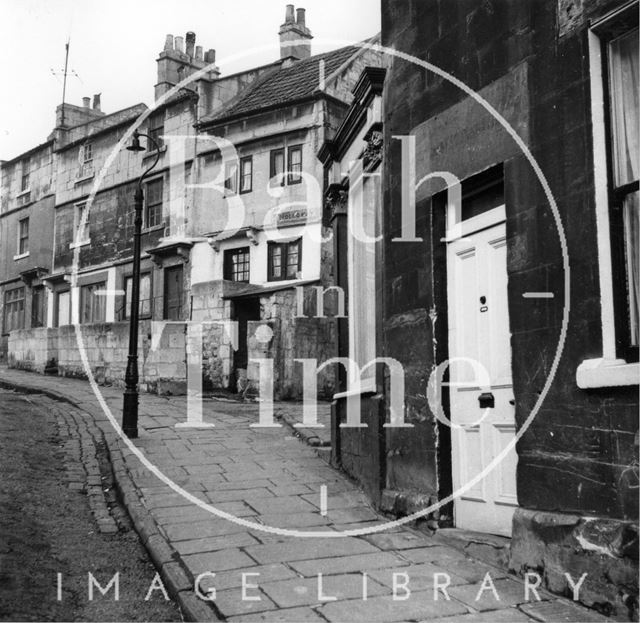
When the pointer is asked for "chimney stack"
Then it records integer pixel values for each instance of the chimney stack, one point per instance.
(177, 61)
(191, 42)
(86, 102)
(295, 37)
(96, 102)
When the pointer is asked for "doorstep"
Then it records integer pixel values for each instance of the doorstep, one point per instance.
(489, 548)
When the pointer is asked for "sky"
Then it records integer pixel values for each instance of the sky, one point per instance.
(114, 45)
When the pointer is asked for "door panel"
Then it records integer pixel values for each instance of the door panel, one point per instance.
(479, 331)
(173, 287)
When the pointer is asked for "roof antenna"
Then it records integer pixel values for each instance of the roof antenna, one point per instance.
(65, 72)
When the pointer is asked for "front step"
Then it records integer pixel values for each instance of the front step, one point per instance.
(489, 548)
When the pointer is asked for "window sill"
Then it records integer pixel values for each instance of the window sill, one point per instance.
(594, 373)
(154, 152)
(368, 387)
(76, 245)
(21, 256)
(22, 193)
(83, 179)
(148, 230)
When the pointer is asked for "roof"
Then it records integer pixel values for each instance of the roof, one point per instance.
(284, 85)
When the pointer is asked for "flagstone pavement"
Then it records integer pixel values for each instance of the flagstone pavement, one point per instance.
(259, 561)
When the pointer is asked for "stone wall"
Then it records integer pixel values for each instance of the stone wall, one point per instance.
(32, 349)
(161, 353)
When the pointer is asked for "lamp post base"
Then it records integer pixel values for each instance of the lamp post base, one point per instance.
(130, 413)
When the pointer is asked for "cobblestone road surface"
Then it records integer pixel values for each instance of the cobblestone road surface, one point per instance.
(55, 519)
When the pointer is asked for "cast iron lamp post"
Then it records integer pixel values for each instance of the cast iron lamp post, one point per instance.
(130, 402)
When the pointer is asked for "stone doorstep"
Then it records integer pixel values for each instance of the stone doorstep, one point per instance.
(489, 548)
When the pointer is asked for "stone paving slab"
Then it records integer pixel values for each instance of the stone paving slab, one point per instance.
(270, 478)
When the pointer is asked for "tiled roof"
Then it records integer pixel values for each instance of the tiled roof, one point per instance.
(284, 84)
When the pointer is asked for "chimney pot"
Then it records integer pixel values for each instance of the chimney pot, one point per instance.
(86, 102)
(96, 102)
(178, 43)
(210, 56)
(191, 41)
(198, 52)
(300, 16)
(168, 42)
(288, 16)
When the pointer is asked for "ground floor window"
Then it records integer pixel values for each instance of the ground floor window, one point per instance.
(13, 310)
(63, 308)
(284, 260)
(145, 296)
(93, 303)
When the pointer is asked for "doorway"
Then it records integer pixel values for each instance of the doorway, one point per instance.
(244, 310)
(481, 389)
(173, 289)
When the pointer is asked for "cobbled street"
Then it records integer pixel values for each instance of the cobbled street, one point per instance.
(55, 520)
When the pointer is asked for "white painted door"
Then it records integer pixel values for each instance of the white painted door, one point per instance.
(479, 332)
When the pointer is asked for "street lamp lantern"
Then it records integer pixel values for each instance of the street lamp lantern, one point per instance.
(135, 143)
(130, 398)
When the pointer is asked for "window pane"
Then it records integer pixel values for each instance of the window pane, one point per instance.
(292, 259)
(277, 166)
(276, 261)
(623, 69)
(246, 165)
(295, 164)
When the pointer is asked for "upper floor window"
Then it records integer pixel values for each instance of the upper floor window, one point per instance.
(26, 170)
(236, 264)
(23, 236)
(85, 158)
(291, 173)
(153, 206)
(80, 224)
(294, 164)
(276, 166)
(246, 174)
(231, 177)
(13, 309)
(284, 260)
(156, 131)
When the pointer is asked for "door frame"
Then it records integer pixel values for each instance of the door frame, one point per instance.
(456, 230)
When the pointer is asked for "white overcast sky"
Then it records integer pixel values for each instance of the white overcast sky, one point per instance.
(114, 45)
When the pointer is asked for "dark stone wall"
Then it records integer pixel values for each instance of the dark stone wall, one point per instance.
(573, 456)
(110, 229)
